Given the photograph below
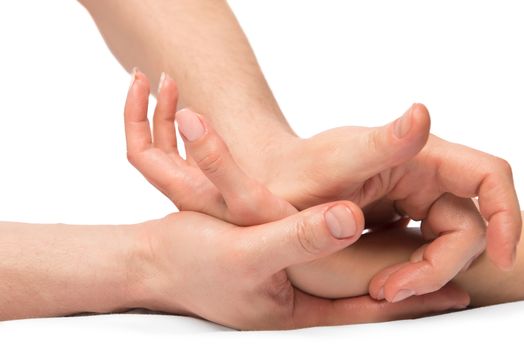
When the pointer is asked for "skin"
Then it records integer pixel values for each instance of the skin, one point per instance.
(211, 174)
(240, 278)
(211, 182)
(351, 269)
(237, 278)
(201, 45)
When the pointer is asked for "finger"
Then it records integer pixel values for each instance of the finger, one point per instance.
(461, 239)
(305, 236)
(393, 144)
(138, 132)
(310, 311)
(164, 134)
(248, 201)
(490, 179)
(376, 285)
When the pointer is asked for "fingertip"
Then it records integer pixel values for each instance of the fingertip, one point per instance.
(190, 125)
(139, 83)
(167, 85)
(421, 119)
(420, 124)
(135, 108)
(504, 263)
(456, 296)
(139, 76)
(502, 251)
(409, 133)
(345, 220)
(378, 283)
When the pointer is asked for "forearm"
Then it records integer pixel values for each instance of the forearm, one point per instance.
(202, 46)
(53, 270)
(349, 272)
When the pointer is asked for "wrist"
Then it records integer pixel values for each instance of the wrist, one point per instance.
(122, 258)
(151, 284)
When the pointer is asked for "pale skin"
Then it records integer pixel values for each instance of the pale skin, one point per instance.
(51, 270)
(213, 176)
(67, 269)
(211, 182)
(236, 277)
(201, 45)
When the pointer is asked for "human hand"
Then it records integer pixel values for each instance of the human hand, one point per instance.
(234, 197)
(405, 168)
(198, 265)
(209, 181)
(409, 186)
(457, 235)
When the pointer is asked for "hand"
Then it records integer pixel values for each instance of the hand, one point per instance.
(213, 184)
(457, 235)
(231, 195)
(235, 276)
(396, 170)
(330, 171)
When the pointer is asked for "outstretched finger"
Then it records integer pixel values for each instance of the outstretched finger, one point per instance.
(137, 129)
(164, 134)
(248, 202)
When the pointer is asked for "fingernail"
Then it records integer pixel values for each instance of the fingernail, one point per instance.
(189, 125)
(340, 221)
(468, 265)
(403, 124)
(380, 295)
(402, 294)
(133, 76)
(161, 82)
(460, 306)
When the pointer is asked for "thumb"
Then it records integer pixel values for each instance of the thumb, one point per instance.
(365, 152)
(397, 142)
(305, 236)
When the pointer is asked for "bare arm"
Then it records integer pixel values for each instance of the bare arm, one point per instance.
(202, 46)
(52, 270)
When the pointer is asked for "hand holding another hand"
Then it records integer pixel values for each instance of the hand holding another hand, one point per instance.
(211, 182)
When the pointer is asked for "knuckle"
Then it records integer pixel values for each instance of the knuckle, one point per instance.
(505, 167)
(210, 157)
(374, 140)
(132, 157)
(251, 205)
(306, 238)
(211, 162)
(437, 280)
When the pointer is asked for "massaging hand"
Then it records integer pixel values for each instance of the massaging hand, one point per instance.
(235, 276)
(323, 169)
(232, 196)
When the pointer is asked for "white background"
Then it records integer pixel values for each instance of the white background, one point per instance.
(330, 63)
